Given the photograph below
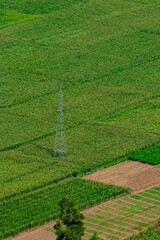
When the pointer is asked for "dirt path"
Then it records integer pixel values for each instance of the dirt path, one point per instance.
(135, 175)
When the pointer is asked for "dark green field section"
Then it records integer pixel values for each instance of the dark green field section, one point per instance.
(36, 208)
(151, 235)
(105, 55)
(149, 155)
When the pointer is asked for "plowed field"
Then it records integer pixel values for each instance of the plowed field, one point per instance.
(135, 175)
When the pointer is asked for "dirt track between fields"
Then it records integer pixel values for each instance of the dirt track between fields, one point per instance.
(135, 175)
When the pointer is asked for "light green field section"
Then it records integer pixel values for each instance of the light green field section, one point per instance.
(122, 218)
(86, 42)
(105, 54)
(33, 166)
(11, 16)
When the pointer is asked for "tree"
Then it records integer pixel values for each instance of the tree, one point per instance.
(70, 225)
(95, 237)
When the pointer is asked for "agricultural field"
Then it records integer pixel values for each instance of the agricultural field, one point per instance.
(29, 210)
(149, 155)
(122, 218)
(108, 69)
(126, 217)
(105, 55)
(150, 235)
(135, 175)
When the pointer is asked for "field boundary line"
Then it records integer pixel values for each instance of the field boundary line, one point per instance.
(137, 209)
(127, 228)
(101, 231)
(135, 214)
(123, 217)
(112, 228)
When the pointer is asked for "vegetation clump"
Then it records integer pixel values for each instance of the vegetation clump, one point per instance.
(70, 225)
(149, 155)
(95, 237)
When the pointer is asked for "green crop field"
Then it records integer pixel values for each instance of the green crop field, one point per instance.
(29, 210)
(105, 55)
(122, 218)
(151, 234)
(149, 155)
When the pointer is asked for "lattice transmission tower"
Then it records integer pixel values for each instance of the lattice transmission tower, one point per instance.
(60, 147)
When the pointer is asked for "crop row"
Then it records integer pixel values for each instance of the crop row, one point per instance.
(35, 208)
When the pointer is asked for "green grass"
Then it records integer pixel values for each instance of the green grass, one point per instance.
(29, 210)
(149, 155)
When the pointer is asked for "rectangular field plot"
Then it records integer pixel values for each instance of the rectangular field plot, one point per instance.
(149, 155)
(123, 218)
(29, 210)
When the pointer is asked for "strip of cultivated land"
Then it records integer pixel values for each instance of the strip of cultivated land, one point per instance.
(121, 218)
(27, 211)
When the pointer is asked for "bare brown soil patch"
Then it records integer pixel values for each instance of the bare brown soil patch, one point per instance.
(42, 233)
(135, 175)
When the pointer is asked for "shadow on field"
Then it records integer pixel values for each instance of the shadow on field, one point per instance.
(48, 150)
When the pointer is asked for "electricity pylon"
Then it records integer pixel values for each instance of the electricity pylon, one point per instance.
(60, 148)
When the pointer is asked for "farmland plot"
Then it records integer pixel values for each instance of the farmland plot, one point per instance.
(150, 235)
(105, 56)
(149, 155)
(134, 175)
(121, 218)
(26, 211)
(115, 219)
(33, 166)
